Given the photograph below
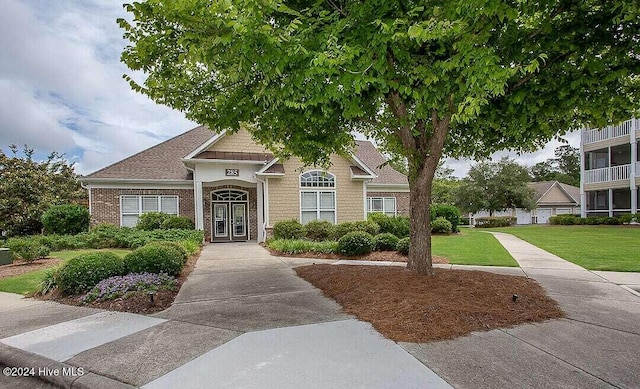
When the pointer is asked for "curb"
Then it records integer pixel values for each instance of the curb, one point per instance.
(45, 370)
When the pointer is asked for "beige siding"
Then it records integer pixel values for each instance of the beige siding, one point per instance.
(239, 142)
(284, 192)
(555, 195)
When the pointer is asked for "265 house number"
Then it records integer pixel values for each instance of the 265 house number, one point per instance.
(231, 172)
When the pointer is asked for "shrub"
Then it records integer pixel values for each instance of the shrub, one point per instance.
(151, 221)
(449, 212)
(184, 255)
(612, 221)
(396, 225)
(117, 286)
(403, 246)
(356, 243)
(493, 221)
(319, 230)
(565, 220)
(190, 247)
(288, 229)
(626, 218)
(595, 220)
(66, 219)
(178, 222)
(154, 258)
(464, 221)
(85, 271)
(302, 246)
(367, 226)
(385, 242)
(27, 250)
(48, 281)
(441, 226)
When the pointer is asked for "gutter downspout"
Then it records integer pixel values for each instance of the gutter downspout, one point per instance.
(262, 211)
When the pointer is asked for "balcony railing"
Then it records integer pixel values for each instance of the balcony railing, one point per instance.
(638, 169)
(620, 130)
(614, 173)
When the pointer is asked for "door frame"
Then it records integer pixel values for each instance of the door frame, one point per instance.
(229, 206)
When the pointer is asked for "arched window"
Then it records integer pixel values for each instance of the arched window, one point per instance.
(317, 196)
(229, 195)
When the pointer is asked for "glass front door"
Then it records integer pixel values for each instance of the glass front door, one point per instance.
(229, 222)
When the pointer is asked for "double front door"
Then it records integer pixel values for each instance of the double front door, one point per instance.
(229, 221)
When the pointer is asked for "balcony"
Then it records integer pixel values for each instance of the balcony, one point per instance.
(621, 130)
(614, 173)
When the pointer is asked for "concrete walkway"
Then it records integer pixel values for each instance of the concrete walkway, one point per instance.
(243, 319)
(595, 346)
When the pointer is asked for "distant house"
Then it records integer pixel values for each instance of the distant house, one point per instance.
(235, 190)
(552, 198)
(610, 169)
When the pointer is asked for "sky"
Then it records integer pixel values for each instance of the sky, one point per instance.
(61, 87)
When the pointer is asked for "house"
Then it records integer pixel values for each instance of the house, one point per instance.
(610, 169)
(235, 190)
(552, 198)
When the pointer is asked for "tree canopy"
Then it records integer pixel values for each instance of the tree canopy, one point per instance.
(564, 167)
(496, 186)
(29, 187)
(461, 77)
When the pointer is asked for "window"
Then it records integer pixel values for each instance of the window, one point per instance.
(131, 207)
(386, 205)
(317, 197)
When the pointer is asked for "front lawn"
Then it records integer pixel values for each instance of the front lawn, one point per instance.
(472, 247)
(615, 248)
(28, 282)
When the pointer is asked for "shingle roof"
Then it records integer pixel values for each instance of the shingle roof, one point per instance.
(160, 162)
(164, 161)
(370, 156)
(543, 186)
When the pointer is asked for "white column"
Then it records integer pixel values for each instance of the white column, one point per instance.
(633, 172)
(260, 210)
(610, 202)
(583, 203)
(199, 205)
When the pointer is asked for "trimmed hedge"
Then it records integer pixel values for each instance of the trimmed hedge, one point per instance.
(568, 220)
(441, 226)
(83, 272)
(288, 229)
(66, 219)
(396, 225)
(154, 258)
(448, 212)
(27, 250)
(178, 222)
(403, 246)
(495, 221)
(367, 226)
(356, 243)
(319, 230)
(385, 242)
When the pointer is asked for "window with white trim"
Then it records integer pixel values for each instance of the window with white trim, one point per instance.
(131, 207)
(317, 196)
(386, 205)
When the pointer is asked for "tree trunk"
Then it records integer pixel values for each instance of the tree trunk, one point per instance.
(420, 219)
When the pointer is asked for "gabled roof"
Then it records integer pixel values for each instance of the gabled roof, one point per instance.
(370, 156)
(160, 162)
(543, 187)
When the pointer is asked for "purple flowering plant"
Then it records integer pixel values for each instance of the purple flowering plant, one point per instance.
(114, 287)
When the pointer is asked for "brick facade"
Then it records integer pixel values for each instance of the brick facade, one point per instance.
(105, 203)
(402, 200)
(252, 206)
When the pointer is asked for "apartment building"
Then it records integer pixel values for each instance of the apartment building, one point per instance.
(610, 169)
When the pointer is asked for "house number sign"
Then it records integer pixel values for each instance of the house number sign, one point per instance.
(232, 172)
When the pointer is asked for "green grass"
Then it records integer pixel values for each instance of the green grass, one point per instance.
(472, 247)
(28, 282)
(615, 248)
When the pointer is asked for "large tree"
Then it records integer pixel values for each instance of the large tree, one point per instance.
(461, 77)
(495, 186)
(564, 167)
(28, 187)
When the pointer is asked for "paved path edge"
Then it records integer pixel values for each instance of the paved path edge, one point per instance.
(15, 357)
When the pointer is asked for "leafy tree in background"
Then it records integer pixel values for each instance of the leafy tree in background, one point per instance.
(565, 167)
(445, 185)
(423, 78)
(29, 187)
(496, 186)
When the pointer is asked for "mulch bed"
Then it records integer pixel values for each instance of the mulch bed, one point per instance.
(407, 307)
(135, 302)
(20, 267)
(392, 256)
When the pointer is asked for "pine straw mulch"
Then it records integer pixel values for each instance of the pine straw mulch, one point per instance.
(20, 267)
(391, 256)
(407, 307)
(134, 302)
